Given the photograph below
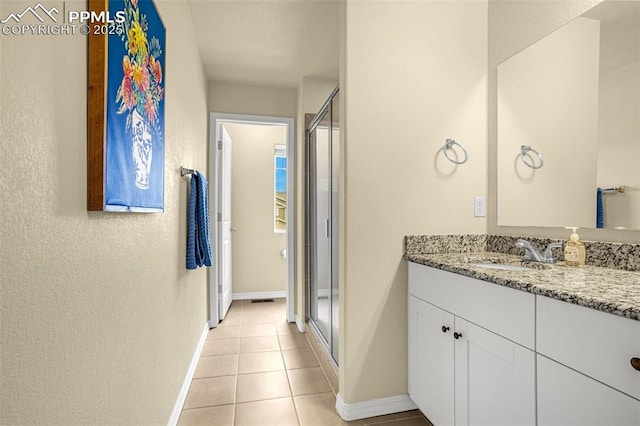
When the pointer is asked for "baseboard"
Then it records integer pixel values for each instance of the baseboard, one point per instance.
(260, 295)
(182, 396)
(374, 407)
(300, 324)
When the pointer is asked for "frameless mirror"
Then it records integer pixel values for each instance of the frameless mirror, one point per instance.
(574, 98)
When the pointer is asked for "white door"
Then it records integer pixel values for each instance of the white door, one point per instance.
(225, 279)
(494, 379)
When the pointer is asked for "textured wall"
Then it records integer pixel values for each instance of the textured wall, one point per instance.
(252, 100)
(100, 319)
(513, 26)
(257, 264)
(414, 73)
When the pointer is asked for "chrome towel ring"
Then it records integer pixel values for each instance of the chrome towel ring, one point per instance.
(448, 145)
(526, 149)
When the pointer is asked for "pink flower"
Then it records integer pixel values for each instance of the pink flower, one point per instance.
(146, 80)
(150, 109)
(128, 96)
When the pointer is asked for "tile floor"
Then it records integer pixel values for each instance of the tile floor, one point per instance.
(257, 369)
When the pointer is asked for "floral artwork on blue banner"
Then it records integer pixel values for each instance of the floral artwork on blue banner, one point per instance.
(134, 149)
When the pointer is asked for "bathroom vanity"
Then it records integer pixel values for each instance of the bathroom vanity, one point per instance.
(527, 344)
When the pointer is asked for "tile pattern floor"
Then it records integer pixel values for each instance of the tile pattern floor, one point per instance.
(256, 369)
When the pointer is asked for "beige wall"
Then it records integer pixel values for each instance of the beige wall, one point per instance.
(100, 318)
(257, 264)
(414, 73)
(252, 100)
(312, 94)
(513, 26)
(548, 99)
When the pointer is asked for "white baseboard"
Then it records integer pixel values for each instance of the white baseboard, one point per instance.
(182, 396)
(374, 407)
(259, 295)
(300, 324)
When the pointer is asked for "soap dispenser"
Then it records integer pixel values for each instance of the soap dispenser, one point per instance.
(574, 251)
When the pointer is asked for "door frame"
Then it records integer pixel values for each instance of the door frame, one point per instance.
(221, 118)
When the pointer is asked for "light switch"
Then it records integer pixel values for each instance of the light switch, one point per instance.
(479, 206)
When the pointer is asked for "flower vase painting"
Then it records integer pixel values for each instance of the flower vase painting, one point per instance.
(126, 109)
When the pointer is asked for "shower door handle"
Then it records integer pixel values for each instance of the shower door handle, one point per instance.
(327, 226)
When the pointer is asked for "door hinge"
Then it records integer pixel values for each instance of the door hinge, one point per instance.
(219, 217)
(219, 144)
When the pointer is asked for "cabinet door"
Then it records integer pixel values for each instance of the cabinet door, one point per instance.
(566, 397)
(431, 361)
(494, 379)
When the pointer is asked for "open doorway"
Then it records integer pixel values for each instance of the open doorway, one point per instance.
(261, 228)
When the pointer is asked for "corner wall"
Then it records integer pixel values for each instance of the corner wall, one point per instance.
(100, 318)
(413, 74)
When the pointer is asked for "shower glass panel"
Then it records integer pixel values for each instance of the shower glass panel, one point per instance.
(322, 224)
(321, 261)
(335, 181)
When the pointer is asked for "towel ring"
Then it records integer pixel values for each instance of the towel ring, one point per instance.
(448, 145)
(524, 150)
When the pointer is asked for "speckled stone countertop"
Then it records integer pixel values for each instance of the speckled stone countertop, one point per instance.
(615, 291)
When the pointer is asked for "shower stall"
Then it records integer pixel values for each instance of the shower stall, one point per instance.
(321, 219)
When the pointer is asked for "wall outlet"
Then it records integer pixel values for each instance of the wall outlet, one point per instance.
(480, 206)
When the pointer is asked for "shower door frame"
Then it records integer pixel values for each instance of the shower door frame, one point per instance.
(327, 341)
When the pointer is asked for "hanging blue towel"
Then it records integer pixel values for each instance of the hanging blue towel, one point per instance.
(599, 210)
(198, 240)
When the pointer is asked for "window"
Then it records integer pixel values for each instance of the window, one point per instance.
(280, 189)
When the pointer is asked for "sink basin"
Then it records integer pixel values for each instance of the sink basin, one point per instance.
(504, 266)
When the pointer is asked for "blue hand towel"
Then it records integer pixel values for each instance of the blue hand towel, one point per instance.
(198, 239)
(599, 210)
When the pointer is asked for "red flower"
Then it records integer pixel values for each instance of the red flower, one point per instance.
(126, 66)
(156, 69)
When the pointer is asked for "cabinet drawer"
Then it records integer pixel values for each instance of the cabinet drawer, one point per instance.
(595, 343)
(566, 397)
(505, 311)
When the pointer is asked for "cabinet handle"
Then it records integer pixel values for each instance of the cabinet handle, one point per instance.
(445, 328)
(457, 335)
(635, 363)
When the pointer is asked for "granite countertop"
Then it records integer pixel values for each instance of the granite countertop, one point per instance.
(605, 289)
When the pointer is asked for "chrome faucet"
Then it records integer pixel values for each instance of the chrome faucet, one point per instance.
(532, 253)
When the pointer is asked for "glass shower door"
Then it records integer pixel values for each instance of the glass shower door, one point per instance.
(322, 221)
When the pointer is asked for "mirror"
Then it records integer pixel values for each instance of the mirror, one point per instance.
(574, 97)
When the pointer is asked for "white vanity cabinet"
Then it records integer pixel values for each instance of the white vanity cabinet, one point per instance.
(470, 350)
(585, 376)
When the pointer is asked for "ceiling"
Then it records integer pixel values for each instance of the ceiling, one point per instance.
(271, 43)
